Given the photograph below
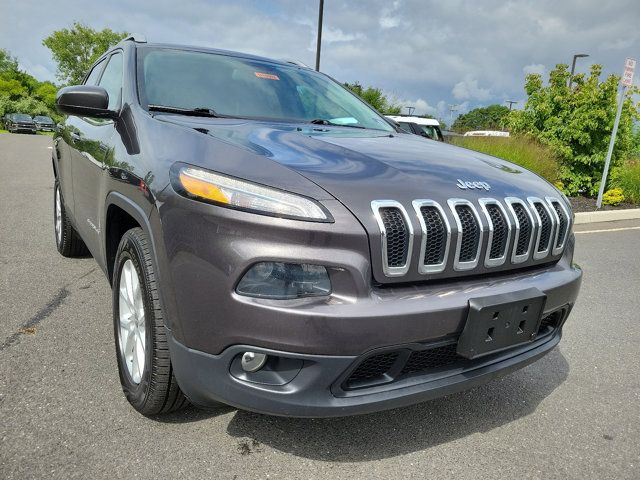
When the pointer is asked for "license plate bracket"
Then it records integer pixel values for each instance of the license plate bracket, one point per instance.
(498, 322)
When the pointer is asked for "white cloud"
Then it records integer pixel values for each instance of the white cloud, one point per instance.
(534, 68)
(468, 89)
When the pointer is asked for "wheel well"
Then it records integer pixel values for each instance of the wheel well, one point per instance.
(118, 222)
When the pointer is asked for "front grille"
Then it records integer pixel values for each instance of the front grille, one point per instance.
(436, 234)
(470, 231)
(545, 227)
(391, 366)
(397, 236)
(508, 231)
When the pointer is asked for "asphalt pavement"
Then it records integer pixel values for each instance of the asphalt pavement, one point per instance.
(573, 414)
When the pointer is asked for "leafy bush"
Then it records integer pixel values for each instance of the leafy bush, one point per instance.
(627, 177)
(577, 123)
(523, 151)
(613, 197)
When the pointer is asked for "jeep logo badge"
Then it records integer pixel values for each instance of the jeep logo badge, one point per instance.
(473, 185)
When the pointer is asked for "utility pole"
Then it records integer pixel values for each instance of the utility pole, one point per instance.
(510, 102)
(573, 66)
(452, 108)
(410, 110)
(319, 44)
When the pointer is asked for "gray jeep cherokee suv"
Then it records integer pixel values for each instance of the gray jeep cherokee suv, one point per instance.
(275, 244)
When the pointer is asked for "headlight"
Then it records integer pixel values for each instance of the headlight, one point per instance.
(279, 280)
(234, 193)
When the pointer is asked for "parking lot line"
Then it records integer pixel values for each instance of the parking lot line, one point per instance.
(609, 230)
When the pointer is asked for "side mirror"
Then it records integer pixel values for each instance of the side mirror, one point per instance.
(84, 101)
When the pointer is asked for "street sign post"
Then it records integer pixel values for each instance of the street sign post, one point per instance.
(626, 81)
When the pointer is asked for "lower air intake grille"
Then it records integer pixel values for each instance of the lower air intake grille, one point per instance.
(373, 367)
(432, 358)
(397, 236)
(500, 232)
(525, 229)
(436, 236)
(545, 227)
(470, 233)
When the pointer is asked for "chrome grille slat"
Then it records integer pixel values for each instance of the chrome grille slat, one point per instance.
(469, 234)
(563, 222)
(499, 231)
(433, 256)
(391, 265)
(544, 227)
(524, 228)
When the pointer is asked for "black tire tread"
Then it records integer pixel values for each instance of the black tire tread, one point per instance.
(71, 245)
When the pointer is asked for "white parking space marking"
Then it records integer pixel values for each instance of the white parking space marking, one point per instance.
(609, 230)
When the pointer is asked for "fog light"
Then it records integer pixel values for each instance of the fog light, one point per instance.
(252, 361)
(279, 280)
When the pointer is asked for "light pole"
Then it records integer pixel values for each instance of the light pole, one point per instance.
(319, 44)
(573, 66)
(410, 110)
(510, 102)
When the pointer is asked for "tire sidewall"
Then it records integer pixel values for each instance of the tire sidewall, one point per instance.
(130, 250)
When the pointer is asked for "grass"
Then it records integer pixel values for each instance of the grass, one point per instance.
(627, 177)
(3, 131)
(522, 151)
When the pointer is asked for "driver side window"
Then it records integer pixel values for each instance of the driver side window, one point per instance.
(111, 80)
(92, 79)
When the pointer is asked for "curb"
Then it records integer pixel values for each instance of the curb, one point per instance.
(607, 216)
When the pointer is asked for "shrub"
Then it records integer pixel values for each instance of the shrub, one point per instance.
(627, 178)
(523, 151)
(613, 196)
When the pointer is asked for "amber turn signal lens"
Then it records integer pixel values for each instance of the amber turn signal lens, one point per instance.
(202, 189)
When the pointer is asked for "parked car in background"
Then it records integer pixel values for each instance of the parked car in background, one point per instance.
(44, 123)
(274, 243)
(21, 122)
(426, 127)
(486, 133)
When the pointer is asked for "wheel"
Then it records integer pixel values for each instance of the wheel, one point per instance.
(141, 341)
(68, 241)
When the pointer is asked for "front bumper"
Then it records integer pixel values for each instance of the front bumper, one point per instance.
(313, 392)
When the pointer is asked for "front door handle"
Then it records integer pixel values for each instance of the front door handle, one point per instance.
(76, 136)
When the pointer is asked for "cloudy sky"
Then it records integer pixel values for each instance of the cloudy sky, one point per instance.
(427, 54)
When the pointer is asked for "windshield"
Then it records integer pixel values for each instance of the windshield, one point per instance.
(42, 119)
(21, 117)
(248, 88)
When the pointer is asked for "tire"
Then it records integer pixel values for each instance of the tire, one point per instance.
(151, 388)
(68, 242)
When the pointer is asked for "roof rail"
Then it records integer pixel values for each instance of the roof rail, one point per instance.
(136, 37)
(295, 62)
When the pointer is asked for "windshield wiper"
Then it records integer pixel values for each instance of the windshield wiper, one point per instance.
(324, 121)
(195, 112)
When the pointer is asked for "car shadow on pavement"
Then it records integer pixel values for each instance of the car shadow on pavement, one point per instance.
(405, 430)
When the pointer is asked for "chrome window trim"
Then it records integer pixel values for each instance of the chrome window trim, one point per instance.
(510, 201)
(495, 262)
(538, 255)
(376, 205)
(457, 264)
(435, 268)
(557, 250)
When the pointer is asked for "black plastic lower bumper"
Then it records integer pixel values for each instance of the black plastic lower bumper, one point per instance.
(310, 388)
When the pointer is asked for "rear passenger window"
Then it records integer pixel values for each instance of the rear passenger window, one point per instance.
(111, 80)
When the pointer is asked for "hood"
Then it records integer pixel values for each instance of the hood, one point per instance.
(358, 166)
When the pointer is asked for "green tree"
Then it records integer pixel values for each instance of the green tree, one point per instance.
(577, 123)
(484, 118)
(7, 62)
(374, 97)
(76, 48)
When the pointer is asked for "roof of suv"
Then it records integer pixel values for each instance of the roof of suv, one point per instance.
(193, 48)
